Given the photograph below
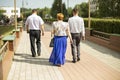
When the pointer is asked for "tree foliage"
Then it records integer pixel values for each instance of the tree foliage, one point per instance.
(109, 8)
(64, 10)
(1, 13)
(69, 10)
(83, 9)
(58, 7)
(43, 12)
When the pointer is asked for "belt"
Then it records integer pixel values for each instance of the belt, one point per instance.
(34, 30)
(75, 33)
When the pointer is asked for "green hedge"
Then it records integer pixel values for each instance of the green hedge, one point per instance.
(105, 25)
(51, 20)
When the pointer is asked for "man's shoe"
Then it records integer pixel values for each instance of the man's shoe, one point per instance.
(78, 59)
(74, 61)
(38, 54)
(33, 56)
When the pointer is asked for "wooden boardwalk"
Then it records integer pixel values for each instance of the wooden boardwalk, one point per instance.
(26, 67)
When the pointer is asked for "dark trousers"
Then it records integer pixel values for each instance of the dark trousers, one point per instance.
(76, 37)
(35, 35)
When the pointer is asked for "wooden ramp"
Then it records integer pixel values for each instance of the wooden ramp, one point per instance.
(26, 67)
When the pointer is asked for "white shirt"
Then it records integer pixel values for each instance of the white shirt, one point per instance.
(60, 28)
(76, 25)
(34, 22)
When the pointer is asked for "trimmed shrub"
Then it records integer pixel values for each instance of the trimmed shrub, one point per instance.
(105, 25)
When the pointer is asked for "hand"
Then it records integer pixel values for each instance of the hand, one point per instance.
(42, 33)
(71, 41)
(83, 37)
(28, 31)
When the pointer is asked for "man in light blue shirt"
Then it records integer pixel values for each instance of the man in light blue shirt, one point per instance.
(34, 25)
(77, 31)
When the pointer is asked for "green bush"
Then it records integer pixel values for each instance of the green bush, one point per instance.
(19, 19)
(105, 25)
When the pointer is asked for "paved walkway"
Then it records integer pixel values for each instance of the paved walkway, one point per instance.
(97, 63)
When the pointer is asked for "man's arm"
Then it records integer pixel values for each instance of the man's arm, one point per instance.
(42, 29)
(41, 25)
(27, 25)
(69, 35)
(83, 31)
(27, 29)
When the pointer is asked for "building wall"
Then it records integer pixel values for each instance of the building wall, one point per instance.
(9, 11)
(93, 5)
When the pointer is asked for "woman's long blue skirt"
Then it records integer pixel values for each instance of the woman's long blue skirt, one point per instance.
(57, 56)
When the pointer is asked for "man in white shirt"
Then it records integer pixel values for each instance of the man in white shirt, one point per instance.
(34, 25)
(77, 31)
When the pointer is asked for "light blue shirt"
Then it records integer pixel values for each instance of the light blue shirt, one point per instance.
(34, 22)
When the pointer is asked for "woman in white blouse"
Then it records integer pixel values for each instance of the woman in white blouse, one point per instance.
(61, 32)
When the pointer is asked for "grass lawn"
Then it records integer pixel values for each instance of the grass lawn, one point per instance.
(5, 30)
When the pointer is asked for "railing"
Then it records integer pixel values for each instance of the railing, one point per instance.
(3, 50)
(1, 36)
(101, 35)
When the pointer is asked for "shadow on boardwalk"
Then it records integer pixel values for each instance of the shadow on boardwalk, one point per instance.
(27, 58)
